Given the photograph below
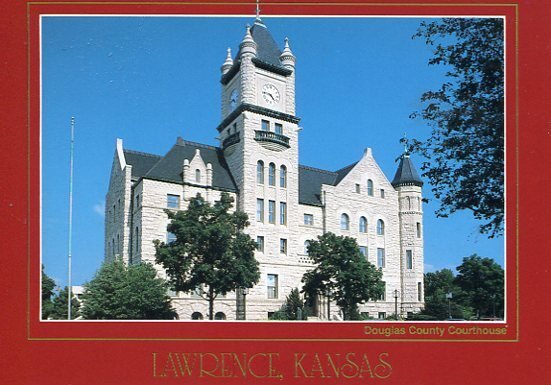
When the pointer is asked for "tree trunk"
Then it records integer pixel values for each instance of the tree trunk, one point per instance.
(211, 303)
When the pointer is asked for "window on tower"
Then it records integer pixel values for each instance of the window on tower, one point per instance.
(282, 213)
(279, 128)
(265, 125)
(283, 176)
(271, 211)
(271, 174)
(409, 259)
(418, 229)
(260, 172)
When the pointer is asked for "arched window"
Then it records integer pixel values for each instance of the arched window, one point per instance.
(197, 175)
(370, 187)
(260, 172)
(306, 245)
(283, 176)
(380, 227)
(271, 174)
(219, 316)
(363, 225)
(345, 222)
(118, 244)
(196, 316)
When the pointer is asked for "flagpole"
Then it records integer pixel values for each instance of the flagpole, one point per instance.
(69, 288)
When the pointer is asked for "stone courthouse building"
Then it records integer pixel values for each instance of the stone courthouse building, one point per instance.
(288, 204)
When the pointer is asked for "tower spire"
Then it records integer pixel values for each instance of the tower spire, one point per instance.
(405, 141)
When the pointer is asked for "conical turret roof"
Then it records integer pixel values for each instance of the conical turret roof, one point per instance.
(406, 174)
(267, 49)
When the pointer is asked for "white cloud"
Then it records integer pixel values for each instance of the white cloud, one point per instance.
(99, 208)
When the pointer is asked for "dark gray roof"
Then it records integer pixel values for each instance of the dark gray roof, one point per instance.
(406, 174)
(344, 172)
(309, 184)
(141, 162)
(169, 167)
(267, 49)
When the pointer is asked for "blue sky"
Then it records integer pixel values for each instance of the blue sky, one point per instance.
(148, 80)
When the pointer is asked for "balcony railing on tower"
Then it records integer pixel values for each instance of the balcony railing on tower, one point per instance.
(231, 140)
(271, 137)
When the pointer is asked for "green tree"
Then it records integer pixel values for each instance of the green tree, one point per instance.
(130, 292)
(482, 282)
(59, 308)
(211, 252)
(437, 305)
(289, 309)
(48, 286)
(343, 273)
(465, 151)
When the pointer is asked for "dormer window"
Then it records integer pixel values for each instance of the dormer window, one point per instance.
(370, 187)
(197, 175)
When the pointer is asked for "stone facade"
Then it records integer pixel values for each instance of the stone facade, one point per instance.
(257, 162)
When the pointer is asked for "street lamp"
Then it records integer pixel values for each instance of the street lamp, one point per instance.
(396, 294)
(241, 303)
(449, 296)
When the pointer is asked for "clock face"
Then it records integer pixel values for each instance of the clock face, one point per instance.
(234, 98)
(270, 94)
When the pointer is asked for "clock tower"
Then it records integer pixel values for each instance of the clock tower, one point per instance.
(259, 139)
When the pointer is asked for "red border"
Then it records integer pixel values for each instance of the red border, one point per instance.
(37, 353)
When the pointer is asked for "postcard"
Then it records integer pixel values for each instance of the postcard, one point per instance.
(274, 192)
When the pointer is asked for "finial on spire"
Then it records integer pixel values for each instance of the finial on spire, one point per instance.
(228, 63)
(258, 10)
(405, 141)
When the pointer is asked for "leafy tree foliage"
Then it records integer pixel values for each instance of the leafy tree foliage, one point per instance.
(482, 281)
(437, 286)
(342, 272)
(289, 309)
(59, 308)
(48, 286)
(465, 151)
(477, 289)
(126, 292)
(211, 252)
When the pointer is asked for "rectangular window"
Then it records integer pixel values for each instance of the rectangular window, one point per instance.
(170, 237)
(172, 201)
(271, 285)
(363, 250)
(419, 292)
(279, 128)
(265, 125)
(383, 193)
(409, 259)
(382, 297)
(283, 246)
(308, 219)
(137, 200)
(418, 229)
(260, 210)
(357, 188)
(380, 257)
(282, 213)
(382, 315)
(260, 243)
(271, 211)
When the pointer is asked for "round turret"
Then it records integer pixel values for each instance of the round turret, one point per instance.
(248, 45)
(228, 63)
(287, 58)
